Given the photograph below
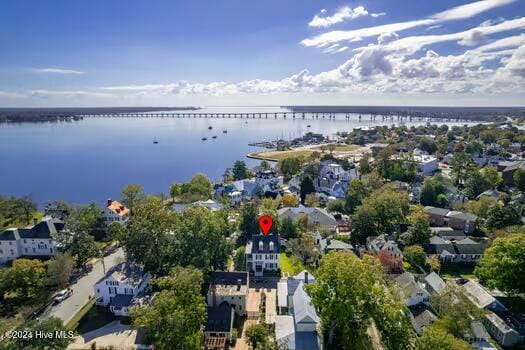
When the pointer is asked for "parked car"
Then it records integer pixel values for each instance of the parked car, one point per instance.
(63, 295)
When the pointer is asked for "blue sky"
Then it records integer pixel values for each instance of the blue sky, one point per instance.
(409, 52)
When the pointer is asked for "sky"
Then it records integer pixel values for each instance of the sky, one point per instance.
(65, 53)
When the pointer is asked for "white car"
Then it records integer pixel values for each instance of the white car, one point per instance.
(63, 295)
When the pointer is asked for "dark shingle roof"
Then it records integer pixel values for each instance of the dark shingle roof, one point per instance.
(228, 278)
(121, 300)
(266, 244)
(219, 318)
(9, 235)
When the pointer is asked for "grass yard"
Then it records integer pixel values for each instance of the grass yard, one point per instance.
(96, 317)
(299, 152)
(457, 270)
(290, 264)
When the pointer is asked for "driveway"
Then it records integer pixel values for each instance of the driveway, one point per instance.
(83, 289)
(113, 335)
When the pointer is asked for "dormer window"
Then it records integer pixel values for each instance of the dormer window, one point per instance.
(260, 245)
(271, 246)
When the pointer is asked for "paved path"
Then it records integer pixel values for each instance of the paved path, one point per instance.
(83, 289)
(113, 335)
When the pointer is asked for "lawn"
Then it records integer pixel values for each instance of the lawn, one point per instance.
(290, 264)
(457, 270)
(90, 317)
(300, 152)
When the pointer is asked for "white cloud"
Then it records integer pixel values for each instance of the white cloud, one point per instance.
(344, 13)
(435, 26)
(456, 13)
(387, 38)
(473, 38)
(379, 14)
(67, 93)
(57, 71)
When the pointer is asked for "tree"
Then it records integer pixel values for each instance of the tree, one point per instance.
(331, 148)
(239, 171)
(302, 222)
(238, 259)
(248, 224)
(289, 200)
(355, 194)
(434, 338)
(381, 213)
(59, 269)
(199, 187)
(311, 200)
(289, 166)
(519, 179)
(176, 315)
(492, 177)
(461, 164)
(19, 210)
(87, 219)
(147, 240)
(503, 264)
(307, 186)
(304, 248)
(288, 228)
(133, 196)
(51, 325)
(501, 216)
(481, 206)
(175, 190)
(364, 164)
(350, 294)
(338, 206)
(418, 233)
(390, 264)
(427, 194)
(257, 336)
(24, 279)
(428, 145)
(265, 165)
(58, 209)
(115, 231)
(475, 184)
(415, 255)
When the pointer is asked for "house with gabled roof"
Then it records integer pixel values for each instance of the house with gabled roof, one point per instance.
(383, 243)
(115, 211)
(262, 254)
(316, 216)
(413, 291)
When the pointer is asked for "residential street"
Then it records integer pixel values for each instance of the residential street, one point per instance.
(82, 289)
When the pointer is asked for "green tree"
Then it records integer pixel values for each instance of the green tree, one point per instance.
(338, 206)
(428, 145)
(249, 222)
(364, 164)
(492, 177)
(87, 219)
(238, 259)
(265, 165)
(418, 232)
(59, 269)
(355, 194)
(290, 166)
(50, 325)
(24, 279)
(503, 264)
(133, 196)
(148, 240)
(289, 200)
(199, 187)
(475, 184)
(239, 171)
(427, 194)
(307, 187)
(519, 179)
(502, 216)
(415, 255)
(176, 315)
(302, 222)
(288, 228)
(350, 294)
(382, 212)
(461, 164)
(175, 190)
(434, 338)
(115, 231)
(257, 336)
(481, 206)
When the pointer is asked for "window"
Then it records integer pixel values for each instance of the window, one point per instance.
(25, 240)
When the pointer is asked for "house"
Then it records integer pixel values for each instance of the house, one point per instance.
(435, 284)
(377, 147)
(478, 337)
(326, 245)
(331, 174)
(447, 233)
(249, 189)
(285, 331)
(413, 292)
(230, 287)
(316, 216)
(31, 241)
(508, 172)
(489, 193)
(115, 211)
(426, 164)
(219, 325)
(123, 286)
(383, 242)
(421, 316)
(457, 220)
(270, 183)
(499, 321)
(465, 250)
(294, 302)
(263, 254)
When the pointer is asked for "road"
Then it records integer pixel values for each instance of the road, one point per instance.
(83, 289)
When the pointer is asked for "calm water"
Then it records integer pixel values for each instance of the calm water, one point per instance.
(94, 159)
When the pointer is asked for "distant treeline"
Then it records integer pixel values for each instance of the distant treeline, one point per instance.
(21, 115)
(471, 113)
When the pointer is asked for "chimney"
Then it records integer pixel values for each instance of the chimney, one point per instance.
(306, 277)
(122, 208)
(110, 201)
(239, 283)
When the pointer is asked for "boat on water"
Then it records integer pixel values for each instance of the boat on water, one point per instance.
(308, 126)
(214, 137)
(155, 141)
(210, 127)
(204, 139)
(225, 131)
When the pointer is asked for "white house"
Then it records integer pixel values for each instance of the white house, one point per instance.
(413, 292)
(263, 254)
(115, 212)
(426, 164)
(122, 287)
(32, 241)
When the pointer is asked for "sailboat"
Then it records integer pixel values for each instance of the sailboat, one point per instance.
(155, 140)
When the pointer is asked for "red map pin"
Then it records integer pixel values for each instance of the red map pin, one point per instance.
(265, 223)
